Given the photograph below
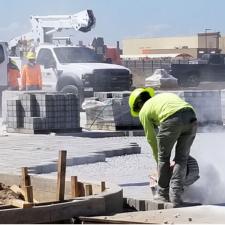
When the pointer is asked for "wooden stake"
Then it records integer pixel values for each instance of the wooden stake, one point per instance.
(74, 187)
(61, 176)
(26, 185)
(25, 177)
(88, 189)
(81, 189)
(103, 186)
(28, 191)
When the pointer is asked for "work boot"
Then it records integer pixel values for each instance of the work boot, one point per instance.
(161, 199)
(176, 201)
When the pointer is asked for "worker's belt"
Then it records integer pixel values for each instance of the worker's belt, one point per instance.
(187, 109)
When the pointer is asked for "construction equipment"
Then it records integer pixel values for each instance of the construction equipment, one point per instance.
(191, 177)
(43, 27)
(68, 68)
(3, 65)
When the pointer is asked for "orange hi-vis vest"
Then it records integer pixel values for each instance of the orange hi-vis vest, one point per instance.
(31, 76)
(13, 75)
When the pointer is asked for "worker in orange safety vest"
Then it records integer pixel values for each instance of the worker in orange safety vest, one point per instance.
(13, 75)
(31, 74)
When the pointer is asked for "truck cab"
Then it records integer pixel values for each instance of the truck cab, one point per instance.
(75, 69)
(3, 65)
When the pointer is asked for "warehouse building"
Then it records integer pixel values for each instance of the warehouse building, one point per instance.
(172, 47)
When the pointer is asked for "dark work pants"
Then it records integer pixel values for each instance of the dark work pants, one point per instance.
(180, 128)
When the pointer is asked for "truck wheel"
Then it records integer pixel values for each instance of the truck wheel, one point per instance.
(72, 89)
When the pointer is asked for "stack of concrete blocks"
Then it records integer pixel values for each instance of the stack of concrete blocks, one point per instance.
(207, 105)
(114, 115)
(44, 112)
(31, 116)
(14, 114)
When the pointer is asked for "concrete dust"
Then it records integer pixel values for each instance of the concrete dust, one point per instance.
(210, 154)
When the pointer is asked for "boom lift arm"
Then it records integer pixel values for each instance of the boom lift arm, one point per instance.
(43, 27)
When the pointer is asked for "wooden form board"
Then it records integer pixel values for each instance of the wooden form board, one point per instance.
(53, 212)
(61, 176)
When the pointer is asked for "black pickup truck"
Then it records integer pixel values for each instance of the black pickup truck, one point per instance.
(210, 68)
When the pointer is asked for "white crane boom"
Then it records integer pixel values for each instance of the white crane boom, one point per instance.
(43, 27)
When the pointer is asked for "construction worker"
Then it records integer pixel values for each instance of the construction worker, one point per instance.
(177, 123)
(31, 74)
(13, 75)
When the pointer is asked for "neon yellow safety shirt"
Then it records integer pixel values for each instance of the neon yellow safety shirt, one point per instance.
(155, 111)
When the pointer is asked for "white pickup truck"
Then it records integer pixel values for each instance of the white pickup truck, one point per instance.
(3, 69)
(79, 70)
(3, 65)
(72, 69)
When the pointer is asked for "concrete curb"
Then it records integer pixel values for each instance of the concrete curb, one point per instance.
(48, 167)
(148, 205)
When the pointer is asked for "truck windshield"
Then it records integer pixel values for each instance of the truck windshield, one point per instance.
(76, 55)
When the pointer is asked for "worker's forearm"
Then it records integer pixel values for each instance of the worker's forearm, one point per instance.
(154, 147)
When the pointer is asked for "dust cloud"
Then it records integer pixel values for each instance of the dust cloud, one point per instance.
(209, 150)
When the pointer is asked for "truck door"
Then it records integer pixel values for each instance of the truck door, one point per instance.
(3, 66)
(48, 69)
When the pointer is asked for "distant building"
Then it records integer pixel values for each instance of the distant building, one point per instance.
(170, 47)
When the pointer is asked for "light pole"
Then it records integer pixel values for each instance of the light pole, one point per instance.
(206, 47)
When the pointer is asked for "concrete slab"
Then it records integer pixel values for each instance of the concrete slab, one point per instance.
(40, 152)
(189, 215)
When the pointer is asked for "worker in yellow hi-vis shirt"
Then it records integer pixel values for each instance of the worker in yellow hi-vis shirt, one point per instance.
(177, 123)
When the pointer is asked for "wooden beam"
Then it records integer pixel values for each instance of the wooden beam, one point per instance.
(18, 190)
(88, 189)
(25, 177)
(74, 187)
(103, 186)
(61, 176)
(18, 203)
(15, 188)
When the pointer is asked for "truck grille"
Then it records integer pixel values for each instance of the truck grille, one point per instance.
(111, 80)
